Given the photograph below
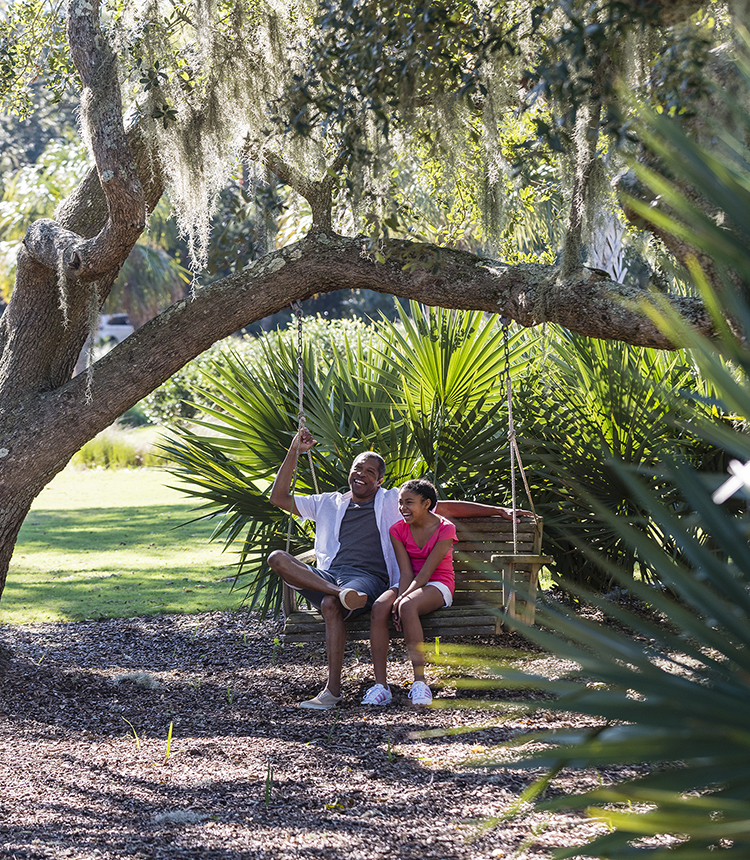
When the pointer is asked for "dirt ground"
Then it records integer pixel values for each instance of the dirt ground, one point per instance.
(87, 770)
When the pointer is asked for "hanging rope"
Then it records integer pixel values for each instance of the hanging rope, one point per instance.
(297, 309)
(515, 454)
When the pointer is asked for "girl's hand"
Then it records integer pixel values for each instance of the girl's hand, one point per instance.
(396, 615)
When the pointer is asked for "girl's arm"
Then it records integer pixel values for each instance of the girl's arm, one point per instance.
(404, 565)
(438, 553)
(406, 579)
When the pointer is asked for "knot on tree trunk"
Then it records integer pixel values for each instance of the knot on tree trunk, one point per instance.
(54, 247)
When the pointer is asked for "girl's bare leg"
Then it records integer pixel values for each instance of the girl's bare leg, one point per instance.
(420, 602)
(379, 637)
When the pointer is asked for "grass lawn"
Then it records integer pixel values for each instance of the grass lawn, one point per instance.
(104, 544)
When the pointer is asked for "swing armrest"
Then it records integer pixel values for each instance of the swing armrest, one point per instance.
(521, 558)
(307, 557)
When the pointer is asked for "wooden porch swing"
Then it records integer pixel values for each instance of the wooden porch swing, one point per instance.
(486, 546)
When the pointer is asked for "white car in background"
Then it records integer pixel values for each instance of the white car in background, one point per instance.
(113, 328)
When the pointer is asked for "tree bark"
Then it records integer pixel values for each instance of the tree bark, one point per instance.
(45, 416)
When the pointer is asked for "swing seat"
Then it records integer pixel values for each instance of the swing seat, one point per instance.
(492, 583)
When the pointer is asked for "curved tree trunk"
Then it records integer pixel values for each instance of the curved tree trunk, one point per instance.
(46, 416)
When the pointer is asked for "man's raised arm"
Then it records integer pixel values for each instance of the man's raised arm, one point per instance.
(280, 495)
(460, 509)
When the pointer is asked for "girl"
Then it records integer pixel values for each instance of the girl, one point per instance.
(423, 543)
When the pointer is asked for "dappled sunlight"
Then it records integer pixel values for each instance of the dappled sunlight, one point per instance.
(245, 773)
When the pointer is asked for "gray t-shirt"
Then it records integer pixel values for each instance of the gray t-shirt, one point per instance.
(359, 541)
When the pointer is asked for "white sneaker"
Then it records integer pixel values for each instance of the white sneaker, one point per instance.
(378, 695)
(420, 694)
(324, 701)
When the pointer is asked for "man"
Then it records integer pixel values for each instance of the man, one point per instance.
(355, 557)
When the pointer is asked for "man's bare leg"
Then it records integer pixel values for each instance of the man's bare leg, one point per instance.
(333, 615)
(300, 576)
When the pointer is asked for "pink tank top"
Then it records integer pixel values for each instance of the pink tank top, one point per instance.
(418, 555)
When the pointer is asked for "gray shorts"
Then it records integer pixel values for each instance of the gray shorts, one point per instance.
(348, 577)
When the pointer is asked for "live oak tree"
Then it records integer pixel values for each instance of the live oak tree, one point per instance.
(325, 99)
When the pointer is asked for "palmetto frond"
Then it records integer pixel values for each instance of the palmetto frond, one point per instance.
(607, 403)
(671, 688)
(425, 393)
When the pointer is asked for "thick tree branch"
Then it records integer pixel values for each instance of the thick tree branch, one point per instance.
(36, 292)
(101, 114)
(319, 194)
(587, 303)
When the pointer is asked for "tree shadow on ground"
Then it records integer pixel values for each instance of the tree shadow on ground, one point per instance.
(246, 773)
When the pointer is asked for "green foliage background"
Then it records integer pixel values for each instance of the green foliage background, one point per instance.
(427, 392)
(669, 686)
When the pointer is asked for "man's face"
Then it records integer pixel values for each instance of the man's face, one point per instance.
(364, 479)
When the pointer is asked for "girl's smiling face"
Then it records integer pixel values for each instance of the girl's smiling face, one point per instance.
(412, 506)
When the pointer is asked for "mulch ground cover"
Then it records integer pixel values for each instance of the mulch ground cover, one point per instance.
(88, 770)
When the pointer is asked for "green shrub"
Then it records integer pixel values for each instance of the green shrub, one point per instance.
(600, 404)
(175, 400)
(119, 448)
(134, 417)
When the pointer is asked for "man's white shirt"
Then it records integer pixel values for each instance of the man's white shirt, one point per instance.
(327, 511)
